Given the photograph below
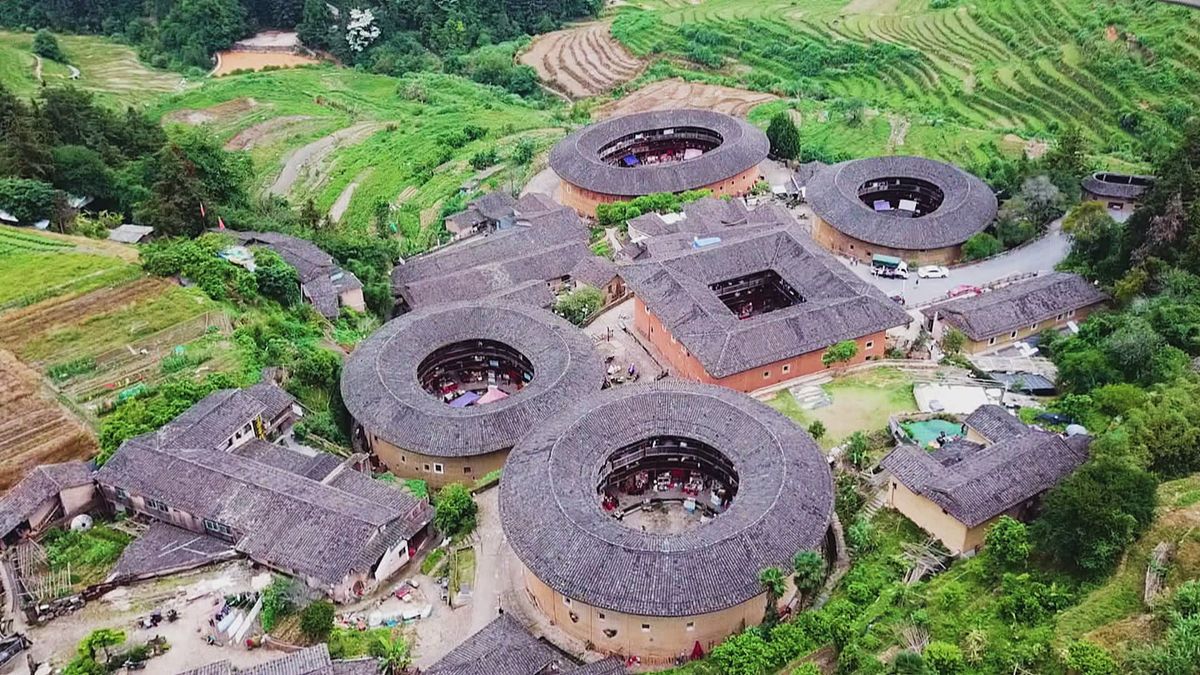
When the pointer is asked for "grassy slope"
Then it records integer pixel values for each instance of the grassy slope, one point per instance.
(388, 161)
(108, 68)
(987, 68)
(861, 402)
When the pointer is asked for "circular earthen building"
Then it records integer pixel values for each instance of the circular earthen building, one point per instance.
(660, 151)
(910, 208)
(643, 515)
(444, 392)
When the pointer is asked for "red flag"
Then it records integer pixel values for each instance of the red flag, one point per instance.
(220, 223)
(202, 214)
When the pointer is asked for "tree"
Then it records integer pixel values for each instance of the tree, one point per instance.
(100, 640)
(27, 200)
(317, 25)
(1086, 658)
(82, 172)
(1006, 545)
(454, 510)
(276, 279)
(809, 567)
(774, 583)
(816, 429)
(46, 46)
(909, 663)
(981, 245)
(1091, 517)
(316, 621)
(784, 136)
(953, 341)
(393, 653)
(1068, 157)
(579, 304)
(841, 352)
(746, 653)
(176, 196)
(944, 658)
(194, 29)
(857, 449)
(523, 151)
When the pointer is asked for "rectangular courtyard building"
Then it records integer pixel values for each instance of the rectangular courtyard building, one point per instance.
(1017, 311)
(753, 308)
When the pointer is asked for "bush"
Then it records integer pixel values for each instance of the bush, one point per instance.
(579, 304)
(27, 200)
(1006, 546)
(276, 602)
(1086, 658)
(46, 45)
(981, 245)
(316, 621)
(484, 158)
(944, 658)
(816, 429)
(784, 136)
(454, 510)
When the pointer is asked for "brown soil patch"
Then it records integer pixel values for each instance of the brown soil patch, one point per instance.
(1033, 149)
(1111, 34)
(675, 93)
(1119, 635)
(230, 61)
(224, 111)
(34, 428)
(263, 132)
(310, 159)
(581, 61)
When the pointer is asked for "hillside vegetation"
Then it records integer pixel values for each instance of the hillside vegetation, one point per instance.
(946, 78)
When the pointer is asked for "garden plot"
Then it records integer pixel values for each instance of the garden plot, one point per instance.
(34, 428)
(581, 61)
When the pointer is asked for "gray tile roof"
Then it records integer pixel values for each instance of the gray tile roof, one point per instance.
(535, 204)
(218, 415)
(1117, 185)
(1018, 305)
(674, 284)
(495, 205)
(576, 159)
(321, 529)
(382, 392)
(316, 467)
(504, 647)
(320, 276)
(543, 248)
(990, 480)
(313, 660)
(129, 234)
(968, 206)
(164, 549)
(594, 271)
(40, 484)
(995, 423)
(552, 516)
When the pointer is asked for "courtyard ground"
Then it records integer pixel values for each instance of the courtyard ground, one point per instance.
(613, 334)
(861, 401)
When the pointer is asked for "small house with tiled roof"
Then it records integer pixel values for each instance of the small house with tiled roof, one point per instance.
(752, 306)
(1016, 312)
(313, 660)
(1118, 191)
(323, 284)
(311, 516)
(49, 494)
(1002, 468)
(504, 647)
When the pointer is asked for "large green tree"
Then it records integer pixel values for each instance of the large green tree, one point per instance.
(784, 136)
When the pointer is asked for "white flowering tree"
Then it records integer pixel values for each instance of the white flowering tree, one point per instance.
(361, 30)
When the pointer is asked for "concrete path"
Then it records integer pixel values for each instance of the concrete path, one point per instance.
(489, 568)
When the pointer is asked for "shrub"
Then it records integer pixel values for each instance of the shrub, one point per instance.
(46, 45)
(1086, 658)
(861, 536)
(1006, 545)
(981, 245)
(784, 136)
(484, 158)
(816, 429)
(316, 621)
(953, 341)
(276, 602)
(579, 304)
(944, 658)
(841, 352)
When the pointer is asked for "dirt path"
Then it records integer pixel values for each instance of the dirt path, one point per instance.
(343, 201)
(258, 134)
(312, 155)
(675, 93)
(37, 67)
(900, 126)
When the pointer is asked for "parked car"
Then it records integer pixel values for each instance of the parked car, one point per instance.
(933, 272)
(889, 267)
(898, 299)
(963, 290)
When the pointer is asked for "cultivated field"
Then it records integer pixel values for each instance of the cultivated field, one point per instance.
(581, 61)
(977, 72)
(313, 132)
(109, 69)
(676, 93)
(34, 428)
(234, 60)
(34, 267)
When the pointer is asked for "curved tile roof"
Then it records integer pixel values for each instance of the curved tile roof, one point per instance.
(552, 517)
(968, 206)
(1117, 185)
(576, 159)
(382, 392)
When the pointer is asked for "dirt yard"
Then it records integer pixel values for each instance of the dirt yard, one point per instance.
(226, 111)
(308, 165)
(675, 93)
(264, 132)
(34, 428)
(581, 61)
(235, 60)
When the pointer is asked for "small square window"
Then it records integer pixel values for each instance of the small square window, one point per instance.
(426, 467)
(1059, 317)
(673, 339)
(1033, 327)
(466, 469)
(157, 505)
(403, 459)
(991, 341)
(601, 615)
(691, 625)
(787, 368)
(870, 344)
(1013, 334)
(122, 494)
(1071, 313)
(566, 601)
(645, 628)
(438, 468)
(766, 374)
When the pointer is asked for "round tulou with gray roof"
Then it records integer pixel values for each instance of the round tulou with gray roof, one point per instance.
(779, 500)
(900, 204)
(658, 151)
(400, 383)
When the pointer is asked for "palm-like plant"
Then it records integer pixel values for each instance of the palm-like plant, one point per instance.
(394, 655)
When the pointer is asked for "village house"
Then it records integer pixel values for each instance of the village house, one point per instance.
(754, 306)
(1118, 191)
(1016, 312)
(1001, 467)
(497, 211)
(530, 263)
(323, 284)
(47, 496)
(504, 647)
(309, 515)
(602, 274)
(313, 660)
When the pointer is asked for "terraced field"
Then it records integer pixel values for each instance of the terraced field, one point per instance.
(581, 61)
(1123, 71)
(314, 131)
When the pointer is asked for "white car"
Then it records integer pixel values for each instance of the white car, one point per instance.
(933, 272)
